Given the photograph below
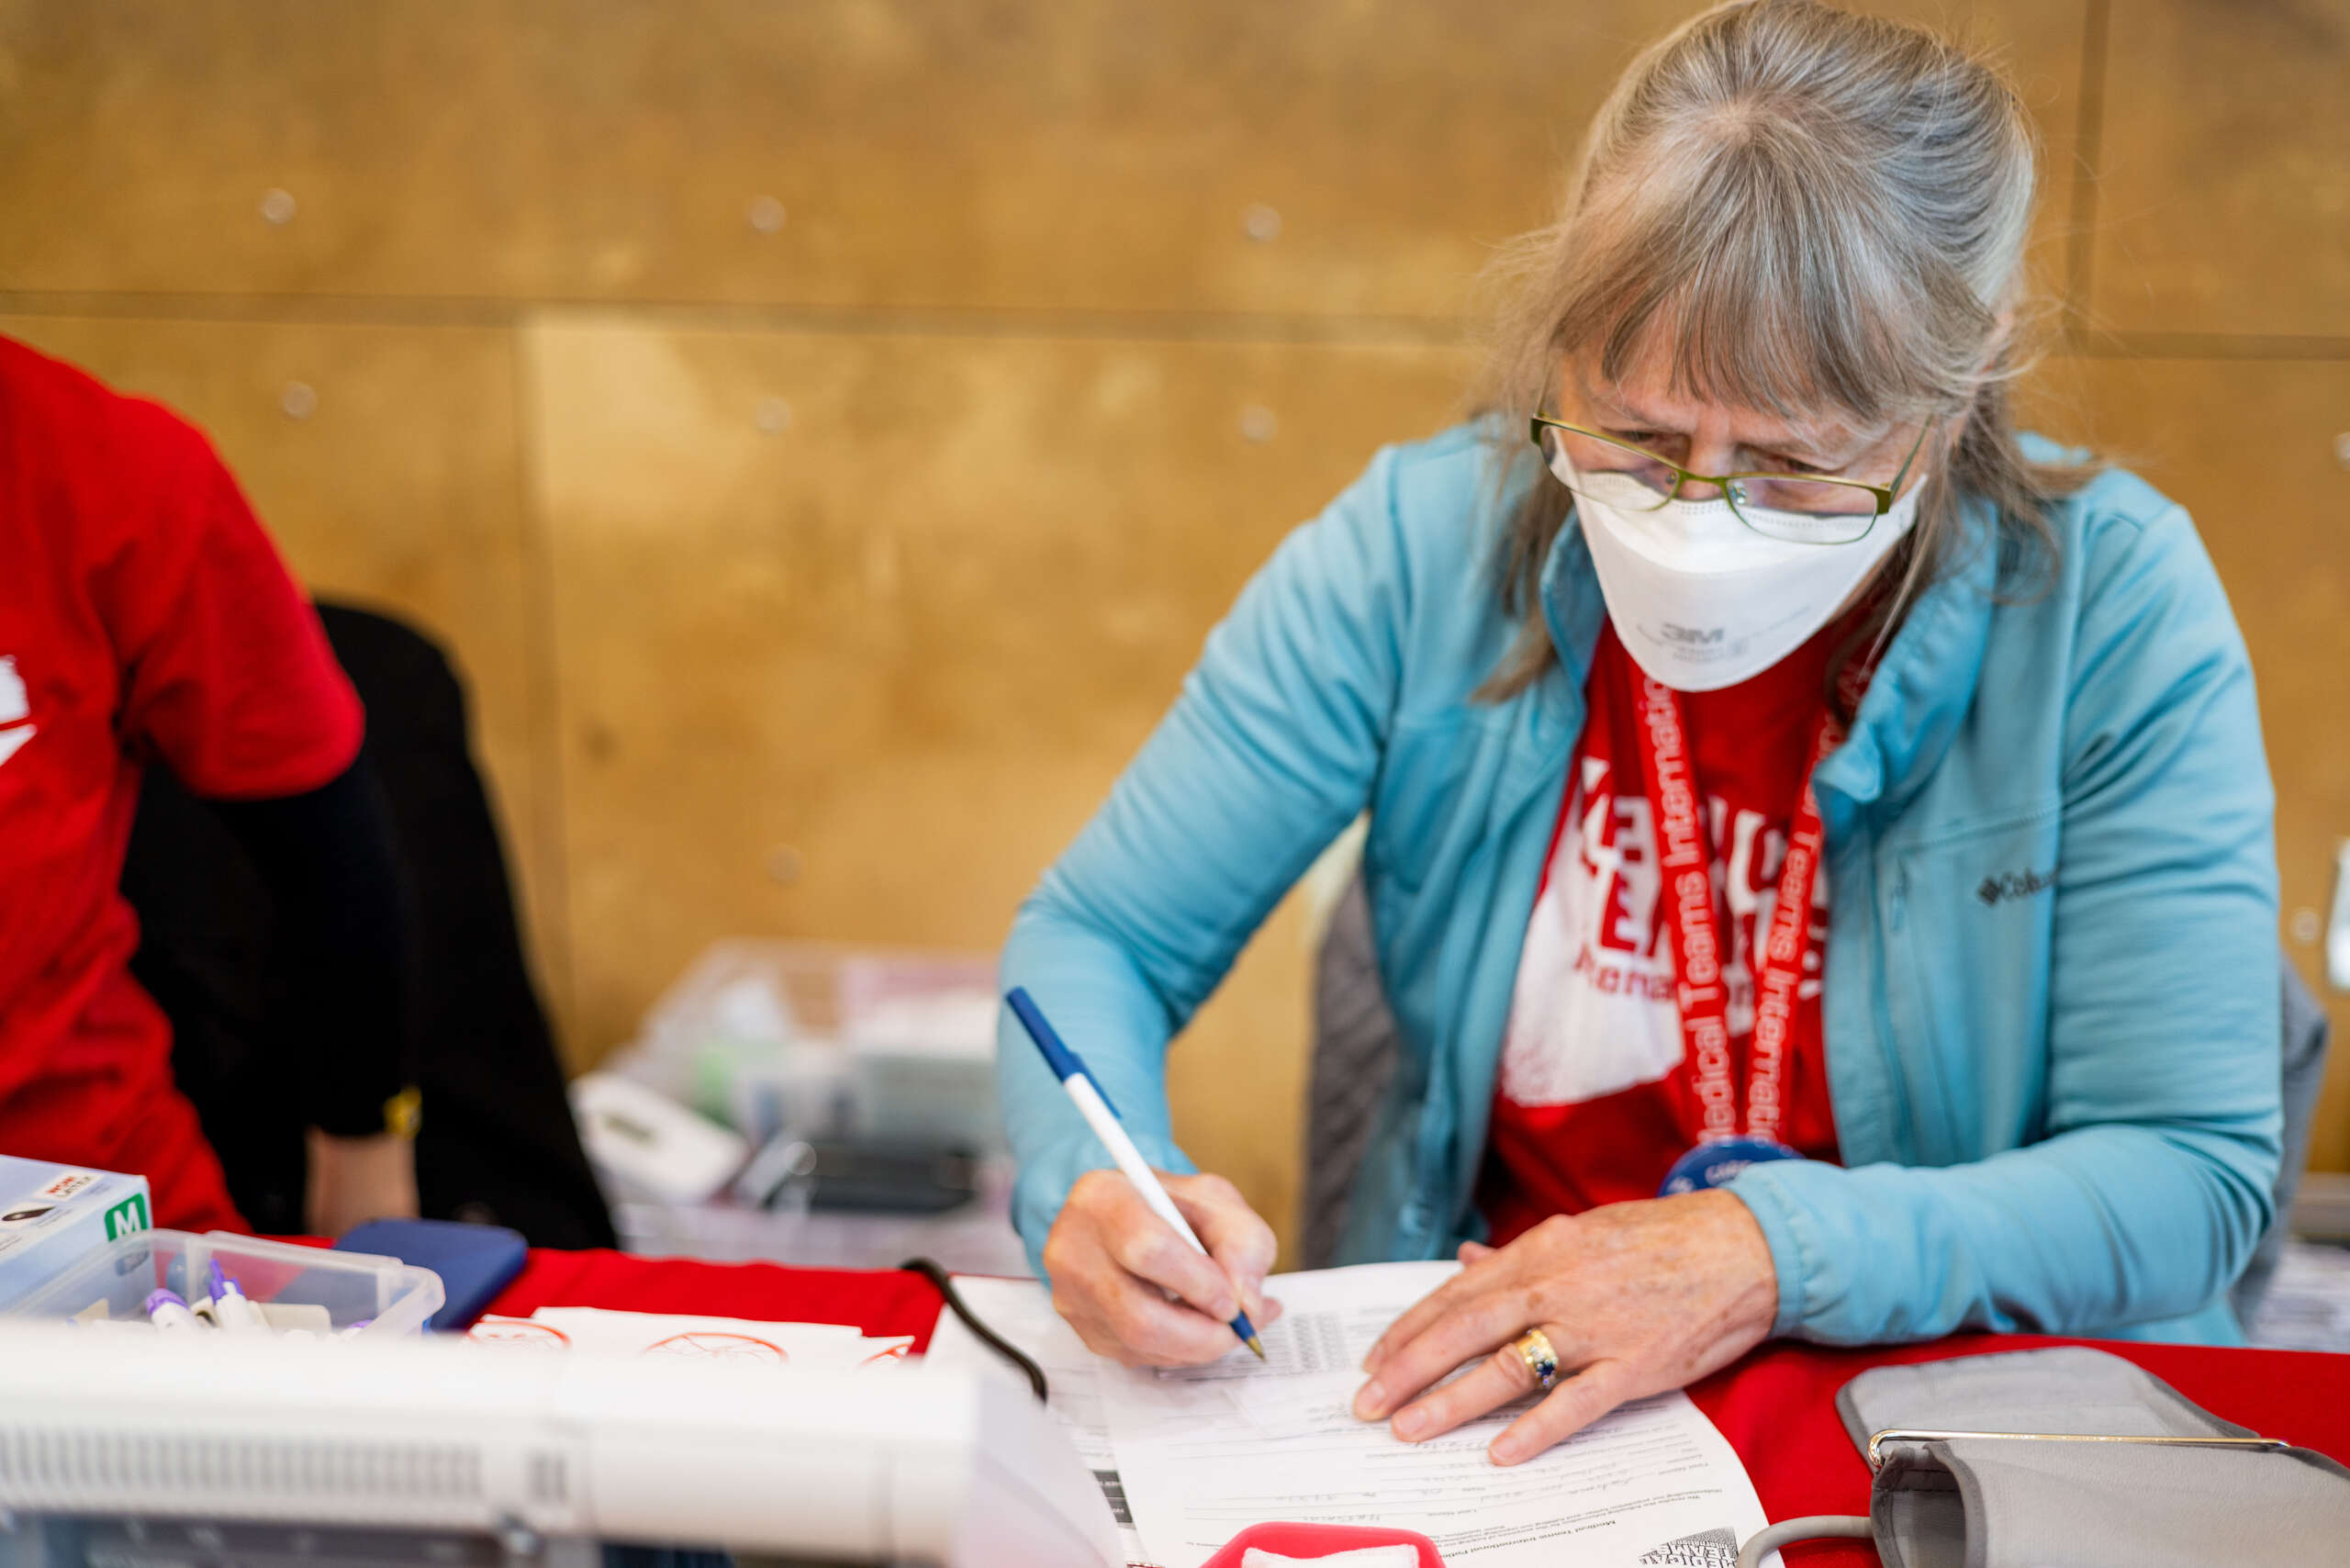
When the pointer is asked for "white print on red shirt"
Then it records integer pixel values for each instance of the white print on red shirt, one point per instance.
(1592, 1014)
(14, 710)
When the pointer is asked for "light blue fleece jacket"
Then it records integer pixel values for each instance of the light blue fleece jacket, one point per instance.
(2051, 995)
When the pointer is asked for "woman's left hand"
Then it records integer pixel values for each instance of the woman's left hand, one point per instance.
(1636, 1298)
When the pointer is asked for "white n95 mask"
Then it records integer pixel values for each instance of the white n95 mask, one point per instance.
(1701, 601)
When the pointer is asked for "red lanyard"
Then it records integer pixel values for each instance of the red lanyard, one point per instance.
(1698, 952)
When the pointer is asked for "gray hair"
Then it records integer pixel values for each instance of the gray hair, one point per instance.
(1813, 213)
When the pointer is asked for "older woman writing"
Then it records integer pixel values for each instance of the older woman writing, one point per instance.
(1819, 849)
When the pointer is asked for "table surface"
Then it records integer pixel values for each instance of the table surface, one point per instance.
(1776, 1407)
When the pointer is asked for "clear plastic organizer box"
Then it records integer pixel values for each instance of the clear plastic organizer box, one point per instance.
(828, 1041)
(391, 1296)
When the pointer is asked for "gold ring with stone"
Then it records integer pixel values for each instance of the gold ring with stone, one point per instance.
(1533, 1348)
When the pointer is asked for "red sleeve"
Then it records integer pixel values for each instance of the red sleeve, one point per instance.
(227, 674)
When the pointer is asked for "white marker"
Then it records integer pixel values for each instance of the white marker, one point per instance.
(167, 1310)
(230, 1307)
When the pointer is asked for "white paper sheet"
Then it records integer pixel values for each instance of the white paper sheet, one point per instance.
(1204, 1452)
(1022, 1313)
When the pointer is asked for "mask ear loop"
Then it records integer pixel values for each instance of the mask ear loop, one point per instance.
(1928, 490)
(1818, 1527)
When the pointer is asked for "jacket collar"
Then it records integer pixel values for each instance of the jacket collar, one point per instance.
(1920, 695)
(1574, 612)
(1925, 684)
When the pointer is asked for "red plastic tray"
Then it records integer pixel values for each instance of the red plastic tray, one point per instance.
(1320, 1541)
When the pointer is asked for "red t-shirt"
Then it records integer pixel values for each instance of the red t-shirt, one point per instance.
(1595, 1098)
(143, 615)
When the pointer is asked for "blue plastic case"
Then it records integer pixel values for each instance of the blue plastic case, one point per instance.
(475, 1261)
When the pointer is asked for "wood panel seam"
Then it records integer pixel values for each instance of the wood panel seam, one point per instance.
(1073, 325)
(550, 853)
(2088, 143)
(830, 320)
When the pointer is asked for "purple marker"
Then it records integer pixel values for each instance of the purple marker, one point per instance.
(230, 1310)
(168, 1310)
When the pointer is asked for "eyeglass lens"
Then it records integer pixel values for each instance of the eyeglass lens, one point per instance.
(1829, 511)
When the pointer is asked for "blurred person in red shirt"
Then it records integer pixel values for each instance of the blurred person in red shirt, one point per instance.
(145, 617)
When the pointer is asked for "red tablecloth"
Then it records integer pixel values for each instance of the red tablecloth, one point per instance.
(1777, 1407)
(880, 1302)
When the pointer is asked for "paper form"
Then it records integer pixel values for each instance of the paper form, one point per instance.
(1023, 1312)
(1204, 1452)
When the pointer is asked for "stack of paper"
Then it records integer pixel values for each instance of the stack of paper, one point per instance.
(1020, 1312)
(1190, 1458)
(826, 1345)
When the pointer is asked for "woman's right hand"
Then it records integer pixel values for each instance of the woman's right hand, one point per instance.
(1113, 1264)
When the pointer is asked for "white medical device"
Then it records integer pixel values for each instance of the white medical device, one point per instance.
(533, 1449)
(648, 1145)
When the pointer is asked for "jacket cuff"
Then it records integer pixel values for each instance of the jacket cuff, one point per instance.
(1043, 1183)
(355, 1108)
(1795, 1247)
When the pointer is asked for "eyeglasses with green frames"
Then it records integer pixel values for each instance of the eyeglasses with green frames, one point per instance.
(1804, 509)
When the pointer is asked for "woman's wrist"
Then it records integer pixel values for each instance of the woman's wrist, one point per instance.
(1767, 1210)
(1744, 1250)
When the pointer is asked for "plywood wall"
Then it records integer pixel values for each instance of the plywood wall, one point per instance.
(825, 431)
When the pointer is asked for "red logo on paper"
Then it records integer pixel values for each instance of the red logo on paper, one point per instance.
(711, 1345)
(519, 1331)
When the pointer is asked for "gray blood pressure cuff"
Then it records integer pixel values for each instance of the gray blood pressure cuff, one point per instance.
(2002, 1462)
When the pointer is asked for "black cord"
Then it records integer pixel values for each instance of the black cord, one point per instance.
(994, 1341)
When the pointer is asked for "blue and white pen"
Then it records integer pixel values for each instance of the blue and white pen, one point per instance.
(1094, 1106)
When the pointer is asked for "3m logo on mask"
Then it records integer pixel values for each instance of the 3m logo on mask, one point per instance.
(14, 710)
(1690, 636)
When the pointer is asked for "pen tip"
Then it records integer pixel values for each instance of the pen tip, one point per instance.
(1256, 1345)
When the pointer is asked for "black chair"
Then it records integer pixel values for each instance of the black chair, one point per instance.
(498, 1145)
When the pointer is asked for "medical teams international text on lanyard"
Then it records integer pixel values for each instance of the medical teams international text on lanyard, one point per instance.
(1698, 951)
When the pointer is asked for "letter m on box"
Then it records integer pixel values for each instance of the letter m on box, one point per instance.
(128, 1216)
